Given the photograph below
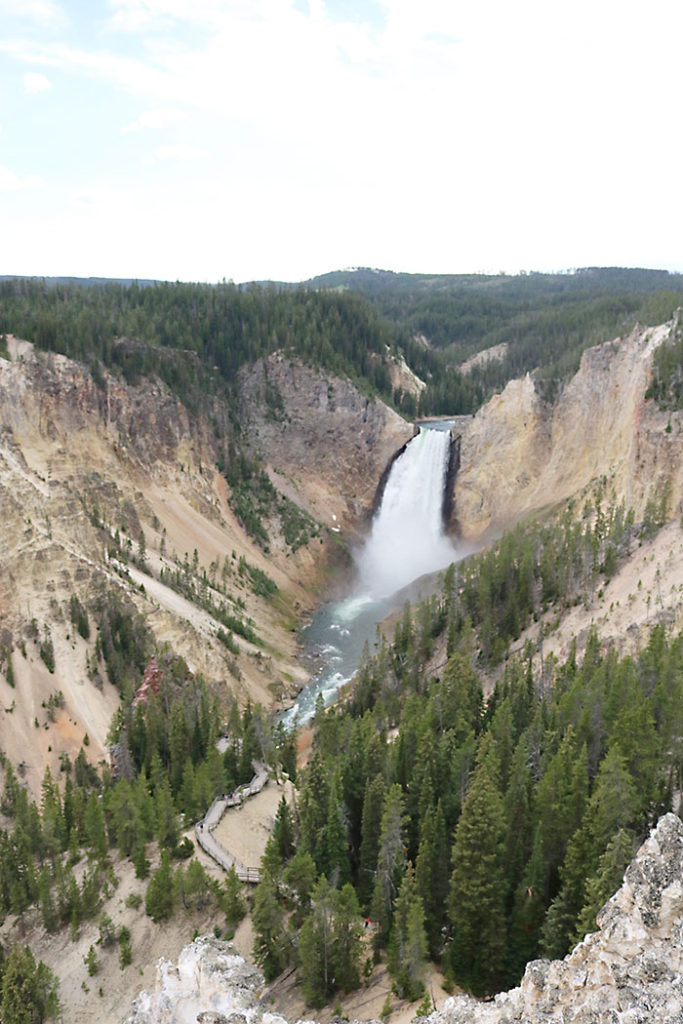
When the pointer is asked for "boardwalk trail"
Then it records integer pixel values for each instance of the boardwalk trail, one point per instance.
(203, 830)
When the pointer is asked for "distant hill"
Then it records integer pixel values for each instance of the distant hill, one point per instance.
(83, 282)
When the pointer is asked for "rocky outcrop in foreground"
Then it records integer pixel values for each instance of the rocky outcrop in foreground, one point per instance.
(628, 972)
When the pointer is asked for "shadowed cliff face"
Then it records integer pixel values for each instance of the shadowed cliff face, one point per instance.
(520, 454)
(631, 970)
(325, 444)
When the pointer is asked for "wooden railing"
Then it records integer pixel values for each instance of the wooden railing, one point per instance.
(203, 830)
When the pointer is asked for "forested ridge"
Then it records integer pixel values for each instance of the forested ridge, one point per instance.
(196, 337)
(546, 320)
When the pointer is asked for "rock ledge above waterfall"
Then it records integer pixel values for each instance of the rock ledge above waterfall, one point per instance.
(628, 972)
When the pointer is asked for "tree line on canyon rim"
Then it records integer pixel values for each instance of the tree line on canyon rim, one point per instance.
(196, 337)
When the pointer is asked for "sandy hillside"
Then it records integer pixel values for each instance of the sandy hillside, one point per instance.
(80, 993)
(647, 589)
(106, 997)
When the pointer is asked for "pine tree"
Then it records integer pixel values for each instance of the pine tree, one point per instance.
(528, 912)
(316, 946)
(611, 807)
(95, 826)
(233, 900)
(283, 831)
(347, 939)
(408, 943)
(47, 903)
(370, 832)
(195, 888)
(91, 962)
(605, 881)
(271, 944)
(391, 861)
(166, 819)
(314, 806)
(431, 876)
(299, 878)
(476, 903)
(334, 846)
(30, 991)
(159, 898)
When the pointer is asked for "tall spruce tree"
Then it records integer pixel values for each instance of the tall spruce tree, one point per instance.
(431, 876)
(391, 861)
(271, 943)
(407, 952)
(476, 902)
(316, 946)
(370, 833)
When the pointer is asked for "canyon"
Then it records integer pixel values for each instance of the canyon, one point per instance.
(83, 461)
(106, 486)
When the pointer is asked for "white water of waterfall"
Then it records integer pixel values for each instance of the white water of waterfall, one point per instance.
(406, 542)
(407, 538)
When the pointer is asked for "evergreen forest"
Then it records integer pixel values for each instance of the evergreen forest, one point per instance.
(478, 832)
(440, 818)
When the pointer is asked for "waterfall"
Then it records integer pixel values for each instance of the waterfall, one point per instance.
(406, 541)
(407, 538)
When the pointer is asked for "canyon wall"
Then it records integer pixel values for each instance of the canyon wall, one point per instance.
(521, 454)
(83, 461)
(325, 444)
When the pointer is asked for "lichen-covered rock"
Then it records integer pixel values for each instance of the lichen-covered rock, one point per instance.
(210, 983)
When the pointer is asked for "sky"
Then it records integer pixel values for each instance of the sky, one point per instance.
(202, 140)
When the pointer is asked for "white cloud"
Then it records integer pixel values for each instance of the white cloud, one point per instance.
(35, 82)
(133, 16)
(440, 136)
(177, 152)
(11, 182)
(44, 13)
(157, 118)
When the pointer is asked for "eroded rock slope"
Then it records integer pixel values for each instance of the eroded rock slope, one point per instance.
(93, 469)
(326, 445)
